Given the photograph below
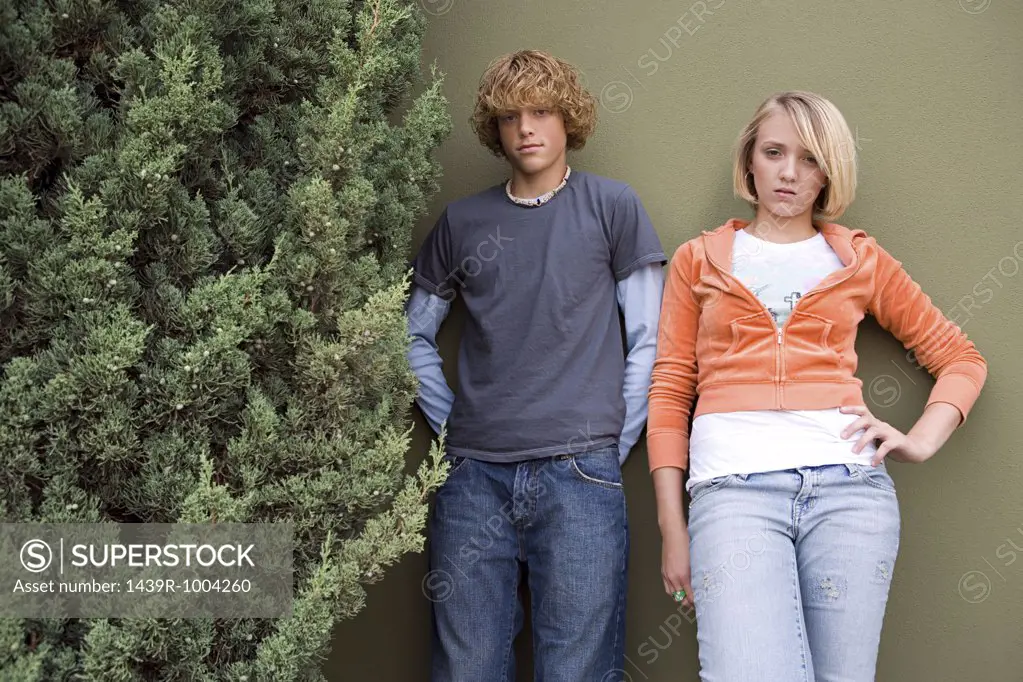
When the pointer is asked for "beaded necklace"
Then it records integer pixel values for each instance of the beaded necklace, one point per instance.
(543, 198)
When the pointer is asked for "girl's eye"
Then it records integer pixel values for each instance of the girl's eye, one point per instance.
(812, 160)
(541, 112)
(772, 152)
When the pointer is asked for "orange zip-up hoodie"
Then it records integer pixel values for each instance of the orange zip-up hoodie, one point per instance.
(719, 346)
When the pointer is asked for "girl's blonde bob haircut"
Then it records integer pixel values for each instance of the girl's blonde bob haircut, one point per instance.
(532, 78)
(823, 131)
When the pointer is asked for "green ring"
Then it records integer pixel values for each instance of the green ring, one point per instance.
(679, 595)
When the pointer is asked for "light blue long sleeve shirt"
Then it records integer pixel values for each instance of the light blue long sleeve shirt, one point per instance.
(639, 298)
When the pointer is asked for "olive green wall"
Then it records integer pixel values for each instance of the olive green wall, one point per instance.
(934, 90)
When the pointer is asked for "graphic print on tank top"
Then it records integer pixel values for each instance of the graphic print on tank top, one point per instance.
(780, 274)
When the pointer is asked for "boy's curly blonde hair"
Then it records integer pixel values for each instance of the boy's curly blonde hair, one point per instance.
(532, 78)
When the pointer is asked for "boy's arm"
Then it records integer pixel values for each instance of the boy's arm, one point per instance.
(639, 297)
(426, 312)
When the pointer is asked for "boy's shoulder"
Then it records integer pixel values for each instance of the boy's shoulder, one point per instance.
(602, 185)
(606, 189)
(475, 204)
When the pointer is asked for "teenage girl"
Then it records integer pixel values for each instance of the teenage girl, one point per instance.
(793, 525)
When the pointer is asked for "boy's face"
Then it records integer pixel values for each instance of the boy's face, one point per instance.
(533, 138)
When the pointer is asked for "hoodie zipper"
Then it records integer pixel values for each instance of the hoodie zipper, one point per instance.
(779, 363)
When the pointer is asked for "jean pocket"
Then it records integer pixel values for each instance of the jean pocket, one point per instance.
(600, 467)
(455, 464)
(875, 477)
(703, 488)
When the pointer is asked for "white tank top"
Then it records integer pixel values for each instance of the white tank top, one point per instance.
(769, 440)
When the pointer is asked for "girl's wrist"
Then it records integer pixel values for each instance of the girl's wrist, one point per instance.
(672, 527)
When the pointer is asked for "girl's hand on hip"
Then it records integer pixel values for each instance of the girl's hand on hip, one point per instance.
(891, 441)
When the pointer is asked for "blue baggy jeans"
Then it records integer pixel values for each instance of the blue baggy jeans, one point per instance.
(564, 518)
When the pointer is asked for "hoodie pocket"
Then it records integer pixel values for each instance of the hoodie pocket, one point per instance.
(809, 352)
(750, 352)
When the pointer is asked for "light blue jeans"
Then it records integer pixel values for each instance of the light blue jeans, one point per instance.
(790, 572)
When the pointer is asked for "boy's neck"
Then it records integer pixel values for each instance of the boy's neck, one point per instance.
(529, 186)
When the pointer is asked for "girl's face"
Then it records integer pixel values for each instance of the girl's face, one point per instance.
(787, 177)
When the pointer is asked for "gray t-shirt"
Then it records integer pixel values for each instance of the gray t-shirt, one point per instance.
(541, 361)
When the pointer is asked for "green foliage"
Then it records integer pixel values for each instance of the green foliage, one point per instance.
(205, 212)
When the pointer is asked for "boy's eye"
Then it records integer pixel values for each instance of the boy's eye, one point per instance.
(542, 112)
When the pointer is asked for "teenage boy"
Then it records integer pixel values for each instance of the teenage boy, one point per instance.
(549, 403)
